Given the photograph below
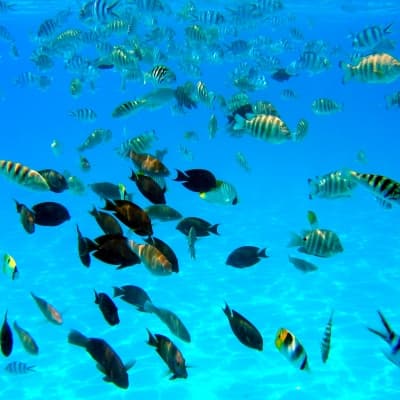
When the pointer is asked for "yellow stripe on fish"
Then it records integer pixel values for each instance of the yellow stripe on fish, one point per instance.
(23, 175)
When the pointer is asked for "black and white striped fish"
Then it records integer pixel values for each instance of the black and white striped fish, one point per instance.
(384, 188)
(17, 367)
(99, 10)
(331, 185)
(326, 339)
(83, 114)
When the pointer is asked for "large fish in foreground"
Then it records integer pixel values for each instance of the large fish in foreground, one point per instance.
(109, 362)
(391, 338)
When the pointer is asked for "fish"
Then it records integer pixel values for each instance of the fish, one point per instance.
(301, 130)
(224, 193)
(76, 87)
(127, 108)
(312, 219)
(242, 161)
(107, 308)
(50, 213)
(131, 215)
(302, 265)
(326, 340)
(170, 354)
(173, 322)
(245, 256)
(196, 180)
(85, 247)
(370, 36)
(139, 144)
(83, 114)
(84, 163)
(393, 100)
(384, 188)
(160, 74)
(17, 367)
(132, 294)
(326, 106)
(6, 337)
(108, 224)
(115, 250)
(153, 259)
(332, 185)
(148, 164)
(100, 11)
(203, 228)
(166, 250)
(373, 68)
(10, 266)
(391, 338)
(109, 362)
(212, 126)
(27, 217)
(107, 190)
(162, 212)
(192, 238)
(95, 138)
(243, 329)
(288, 345)
(281, 75)
(28, 342)
(48, 310)
(267, 127)
(55, 180)
(149, 188)
(317, 242)
(23, 175)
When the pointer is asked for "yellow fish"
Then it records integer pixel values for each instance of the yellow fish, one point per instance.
(10, 266)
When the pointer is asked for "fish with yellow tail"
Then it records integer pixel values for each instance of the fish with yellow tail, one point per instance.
(292, 349)
(49, 311)
(10, 266)
(386, 190)
(374, 68)
(23, 175)
(391, 338)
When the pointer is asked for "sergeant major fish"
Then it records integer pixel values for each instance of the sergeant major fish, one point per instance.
(326, 339)
(331, 186)
(17, 367)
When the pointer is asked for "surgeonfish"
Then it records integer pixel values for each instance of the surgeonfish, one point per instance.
(10, 266)
(326, 339)
(48, 310)
(391, 338)
(203, 227)
(373, 68)
(23, 175)
(28, 342)
(107, 308)
(6, 337)
(134, 295)
(246, 256)
(292, 349)
(243, 329)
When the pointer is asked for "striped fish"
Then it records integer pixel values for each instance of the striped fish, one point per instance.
(138, 144)
(374, 68)
(17, 367)
(292, 349)
(267, 127)
(301, 129)
(203, 94)
(23, 175)
(128, 108)
(83, 114)
(331, 186)
(371, 36)
(385, 189)
(324, 106)
(161, 74)
(393, 100)
(326, 339)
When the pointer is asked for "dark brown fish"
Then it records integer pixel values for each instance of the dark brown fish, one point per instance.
(243, 329)
(197, 180)
(28, 342)
(85, 247)
(171, 355)
(27, 217)
(149, 188)
(114, 250)
(108, 224)
(162, 212)
(109, 361)
(56, 181)
(50, 213)
(245, 256)
(173, 322)
(107, 308)
(48, 310)
(131, 215)
(6, 338)
(203, 228)
(166, 250)
(133, 295)
(148, 164)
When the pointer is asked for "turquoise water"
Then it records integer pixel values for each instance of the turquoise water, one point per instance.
(273, 202)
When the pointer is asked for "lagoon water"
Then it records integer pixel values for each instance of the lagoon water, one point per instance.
(273, 203)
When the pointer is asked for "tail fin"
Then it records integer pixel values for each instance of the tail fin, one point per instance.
(152, 341)
(387, 336)
(181, 176)
(118, 292)
(295, 240)
(213, 229)
(263, 253)
(240, 123)
(388, 29)
(348, 71)
(77, 338)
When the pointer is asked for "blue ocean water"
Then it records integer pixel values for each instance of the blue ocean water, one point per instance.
(273, 203)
